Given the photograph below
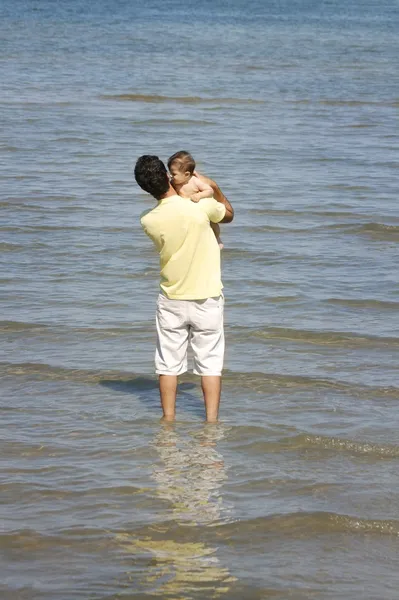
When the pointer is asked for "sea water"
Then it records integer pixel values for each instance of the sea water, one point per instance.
(292, 107)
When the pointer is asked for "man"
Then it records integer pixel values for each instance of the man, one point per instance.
(190, 305)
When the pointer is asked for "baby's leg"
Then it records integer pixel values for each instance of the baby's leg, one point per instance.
(216, 231)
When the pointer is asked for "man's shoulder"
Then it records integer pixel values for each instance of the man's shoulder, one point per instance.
(147, 219)
(145, 213)
(172, 204)
(148, 214)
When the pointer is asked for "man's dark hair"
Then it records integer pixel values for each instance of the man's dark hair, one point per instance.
(151, 175)
(183, 160)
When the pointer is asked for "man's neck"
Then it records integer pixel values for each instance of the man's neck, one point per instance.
(171, 192)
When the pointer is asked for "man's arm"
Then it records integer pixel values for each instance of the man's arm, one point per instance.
(219, 197)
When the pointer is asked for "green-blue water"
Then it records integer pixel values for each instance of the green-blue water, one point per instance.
(293, 108)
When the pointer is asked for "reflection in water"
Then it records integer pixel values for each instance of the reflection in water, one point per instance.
(178, 570)
(189, 476)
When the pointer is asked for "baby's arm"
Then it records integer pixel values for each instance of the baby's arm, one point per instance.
(203, 190)
(218, 196)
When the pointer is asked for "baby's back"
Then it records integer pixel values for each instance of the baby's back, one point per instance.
(192, 186)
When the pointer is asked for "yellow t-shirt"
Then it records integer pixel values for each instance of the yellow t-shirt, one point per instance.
(188, 251)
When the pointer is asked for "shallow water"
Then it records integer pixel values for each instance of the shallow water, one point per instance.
(293, 109)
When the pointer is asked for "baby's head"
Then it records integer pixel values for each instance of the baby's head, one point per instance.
(181, 166)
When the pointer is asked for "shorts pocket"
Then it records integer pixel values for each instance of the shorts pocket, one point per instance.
(209, 314)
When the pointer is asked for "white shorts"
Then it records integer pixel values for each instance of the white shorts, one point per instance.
(198, 322)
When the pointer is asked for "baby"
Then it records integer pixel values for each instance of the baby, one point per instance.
(187, 183)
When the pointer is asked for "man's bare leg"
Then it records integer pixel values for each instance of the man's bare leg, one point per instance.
(211, 388)
(167, 390)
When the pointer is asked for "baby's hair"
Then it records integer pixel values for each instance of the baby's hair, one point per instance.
(183, 160)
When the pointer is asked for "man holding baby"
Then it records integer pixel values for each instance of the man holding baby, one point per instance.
(190, 303)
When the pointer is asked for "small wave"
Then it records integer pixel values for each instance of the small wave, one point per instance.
(15, 201)
(38, 492)
(377, 231)
(365, 303)
(87, 227)
(20, 326)
(254, 68)
(17, 205)
(179, 99)
(114, 379)
(360, 126)
(238, 253)
(30, 540)
(337, 102)
(253, 381)
(349, 188)
(343, 445)
(349, 340)
(157, 122)
(35, 103)
(71, 139)
(308, 230)
(274, 212)
(380, 231)
(267, 229)
(256, 444)
(8, 247)
(274, 299)
(7, 148)
(308, 524)
(141, 329)
(341, 102)
(267, 382)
